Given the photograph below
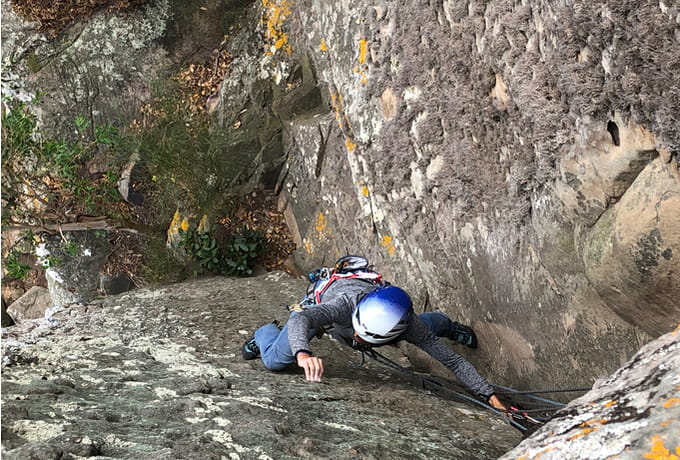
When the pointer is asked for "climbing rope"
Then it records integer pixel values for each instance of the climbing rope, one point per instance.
(531, 394)
(518, 414)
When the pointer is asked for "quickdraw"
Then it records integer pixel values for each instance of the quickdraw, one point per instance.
(519, 414)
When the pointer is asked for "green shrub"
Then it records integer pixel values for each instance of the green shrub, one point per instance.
(71, 248)
(15, 268)
(188, 160)
(202, 247)
(52, 171)
(245, 249)
(236, 258)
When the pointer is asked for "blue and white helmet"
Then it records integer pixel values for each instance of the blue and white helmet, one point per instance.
(382, 315)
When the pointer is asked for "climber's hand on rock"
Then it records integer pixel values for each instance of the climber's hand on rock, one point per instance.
(312, 365)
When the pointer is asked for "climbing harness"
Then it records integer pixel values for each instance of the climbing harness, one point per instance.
(522, 413)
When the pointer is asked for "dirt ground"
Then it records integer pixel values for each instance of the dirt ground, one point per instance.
(54, 16)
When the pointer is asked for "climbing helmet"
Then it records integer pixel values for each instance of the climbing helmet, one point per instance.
(382, 315)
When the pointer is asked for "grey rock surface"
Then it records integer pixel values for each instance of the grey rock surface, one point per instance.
(18, 37)
(158, 373)
(105, 68)
(97, 69)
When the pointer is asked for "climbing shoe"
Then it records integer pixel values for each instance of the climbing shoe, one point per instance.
(463, 335)
(250, 350)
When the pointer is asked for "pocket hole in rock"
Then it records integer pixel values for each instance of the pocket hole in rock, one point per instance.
(614, 131)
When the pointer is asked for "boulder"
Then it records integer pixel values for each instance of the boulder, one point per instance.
(32, 305)
(633, 413)
(72, 265)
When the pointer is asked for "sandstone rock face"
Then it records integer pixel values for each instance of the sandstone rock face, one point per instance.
(513, 165)
(634, 413)
(158, 373)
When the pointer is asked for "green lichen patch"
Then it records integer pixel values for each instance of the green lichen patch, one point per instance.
(648, 251)
(599, 241)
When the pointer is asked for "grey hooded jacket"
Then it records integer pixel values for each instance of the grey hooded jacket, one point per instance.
(334, 315)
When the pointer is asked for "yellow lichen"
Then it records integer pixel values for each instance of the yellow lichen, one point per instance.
(595, 421)
(672, 402)
(582, 433)
(321, 234)
(175, 223)
(350, 145)
(323, 46)
(280, 43)
(321, 223)
(362, 69)
(179, 222)
(659, 452)
(363, 50)
(275, 14)
(338, 105)
(609, 403)
(364, 190)
(204, 224)
(388, 243)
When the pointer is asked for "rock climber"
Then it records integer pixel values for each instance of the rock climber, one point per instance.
(361, 313)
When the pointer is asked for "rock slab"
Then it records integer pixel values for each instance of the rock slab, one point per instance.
(158, 373)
